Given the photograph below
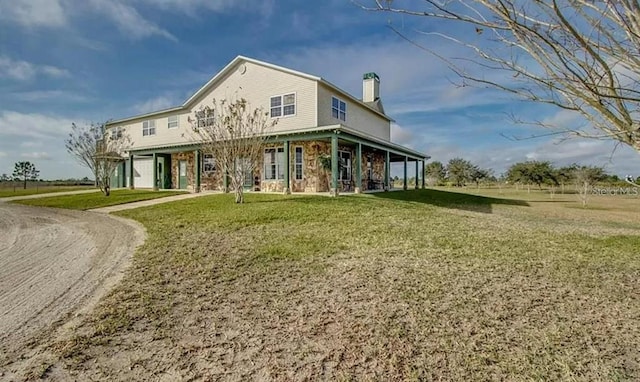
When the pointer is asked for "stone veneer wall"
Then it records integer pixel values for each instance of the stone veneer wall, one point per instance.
(314, 178)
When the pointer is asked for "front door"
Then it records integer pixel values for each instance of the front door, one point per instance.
(182, 174)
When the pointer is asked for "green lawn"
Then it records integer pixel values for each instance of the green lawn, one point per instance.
(97, 200)
(417, 285)
(32, 190)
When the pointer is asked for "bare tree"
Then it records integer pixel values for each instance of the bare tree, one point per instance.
(585, 178)
(235, 135)
(98, 149)
(579, 55)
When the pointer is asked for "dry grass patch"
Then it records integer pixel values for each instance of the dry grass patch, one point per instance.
(400, 287)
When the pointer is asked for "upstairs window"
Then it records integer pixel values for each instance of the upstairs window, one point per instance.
(338, 109)
(116, 132)
(283, 105)
(172, 122)
(205, 117)
(149, 128)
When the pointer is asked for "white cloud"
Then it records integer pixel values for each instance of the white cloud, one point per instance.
(154, 104)
(34, 13)
(31, 144)
(400, 66)
(53, 71)
(40, 139)
(192, 7)
(49, 95)
(128, 20)
(18, 70)
(3, 154)
(123, 14)
(26, 127)
(36, 155)
(23, 71)
(402, 136)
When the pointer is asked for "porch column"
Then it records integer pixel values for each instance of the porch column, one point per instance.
(155, 172)
(423, 174)
(404, 184)
(287, 168)
(123, 169)
(131, 174)
(387, 172)
(198, 170)
(417, 173)
(358, 186)
(334, 165)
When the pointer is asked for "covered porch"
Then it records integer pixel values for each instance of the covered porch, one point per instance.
(333, 159)
(357, 163)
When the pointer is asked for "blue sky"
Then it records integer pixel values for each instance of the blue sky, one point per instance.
(64, 61)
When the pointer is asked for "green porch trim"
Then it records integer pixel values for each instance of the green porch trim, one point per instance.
(387, 171)
(404, 183)
(354, 139)
(166, 150)
(198, 170)
(287, 167)
(166, 176)
(155, 172)
(358, 187)
(334, 165)
(423, 175)
(344, 136)
(417, 174)
(131, 172)
(300, 137)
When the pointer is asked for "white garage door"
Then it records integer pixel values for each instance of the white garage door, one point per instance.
(143, 172)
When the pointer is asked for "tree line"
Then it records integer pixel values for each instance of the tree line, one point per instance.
(460, 172)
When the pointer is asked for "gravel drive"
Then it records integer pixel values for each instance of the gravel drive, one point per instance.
(55, 263)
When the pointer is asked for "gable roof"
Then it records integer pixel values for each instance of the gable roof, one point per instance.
(229, 68)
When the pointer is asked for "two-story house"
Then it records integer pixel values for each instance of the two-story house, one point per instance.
(314, 118)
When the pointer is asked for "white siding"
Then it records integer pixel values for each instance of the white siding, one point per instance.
(358, 117)
(258, 84)
(164, 135)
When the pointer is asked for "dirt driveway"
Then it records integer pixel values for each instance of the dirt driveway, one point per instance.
(55, 264)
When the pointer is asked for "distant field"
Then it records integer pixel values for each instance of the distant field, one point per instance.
(8, 190)
(97, 199)
(446, 284)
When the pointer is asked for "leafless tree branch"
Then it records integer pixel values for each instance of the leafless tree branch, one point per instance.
(578, 55)
(235, 134)
(99, 149)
